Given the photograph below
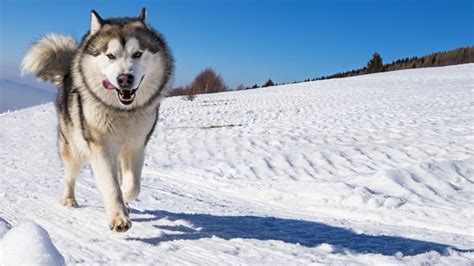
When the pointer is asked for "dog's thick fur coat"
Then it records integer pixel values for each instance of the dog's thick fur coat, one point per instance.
(109, 91)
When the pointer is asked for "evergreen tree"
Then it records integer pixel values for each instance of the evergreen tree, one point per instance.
(269, 83)
(375, 64)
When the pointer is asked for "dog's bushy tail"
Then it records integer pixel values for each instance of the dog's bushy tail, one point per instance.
(50, 58)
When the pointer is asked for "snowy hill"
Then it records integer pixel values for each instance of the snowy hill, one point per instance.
(15, 96)
(375, 169)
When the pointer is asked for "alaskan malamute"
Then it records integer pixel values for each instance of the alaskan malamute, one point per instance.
(110, 87)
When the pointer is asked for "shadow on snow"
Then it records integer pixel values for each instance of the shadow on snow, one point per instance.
(305, 233)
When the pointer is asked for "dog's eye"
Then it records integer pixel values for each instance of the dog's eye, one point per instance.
(111, 56)
(137, 54)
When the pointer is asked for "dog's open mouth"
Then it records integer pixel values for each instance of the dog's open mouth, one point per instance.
(125, 96)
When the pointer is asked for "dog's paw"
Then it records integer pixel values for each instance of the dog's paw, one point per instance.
(69, 202)
(120, 223)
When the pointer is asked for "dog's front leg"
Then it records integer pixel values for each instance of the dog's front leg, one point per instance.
(131, 169)
(104, 165)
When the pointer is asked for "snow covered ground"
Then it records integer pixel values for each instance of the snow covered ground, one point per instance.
(376, 169)
(28, 244)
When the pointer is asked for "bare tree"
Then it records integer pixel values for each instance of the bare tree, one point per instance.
(208, 82)
(205, 82)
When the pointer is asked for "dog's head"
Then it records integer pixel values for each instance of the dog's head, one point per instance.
(124, 62)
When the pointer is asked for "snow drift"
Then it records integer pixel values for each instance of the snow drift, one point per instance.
(28, 244)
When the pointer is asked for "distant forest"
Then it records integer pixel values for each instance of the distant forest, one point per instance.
(457, 56)
(208, 81)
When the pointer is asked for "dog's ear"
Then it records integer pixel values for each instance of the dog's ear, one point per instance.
(142, 16)
(96, 22)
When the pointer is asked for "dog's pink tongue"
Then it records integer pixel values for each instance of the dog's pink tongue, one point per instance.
(107, 85)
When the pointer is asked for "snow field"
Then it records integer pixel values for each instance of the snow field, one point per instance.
(375, 169)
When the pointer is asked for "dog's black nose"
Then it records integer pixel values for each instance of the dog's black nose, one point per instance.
(125, 80)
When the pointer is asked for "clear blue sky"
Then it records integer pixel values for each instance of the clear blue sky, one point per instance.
(250, 41)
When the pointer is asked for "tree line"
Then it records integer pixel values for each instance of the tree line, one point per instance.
(208, 81)
(457, 56)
